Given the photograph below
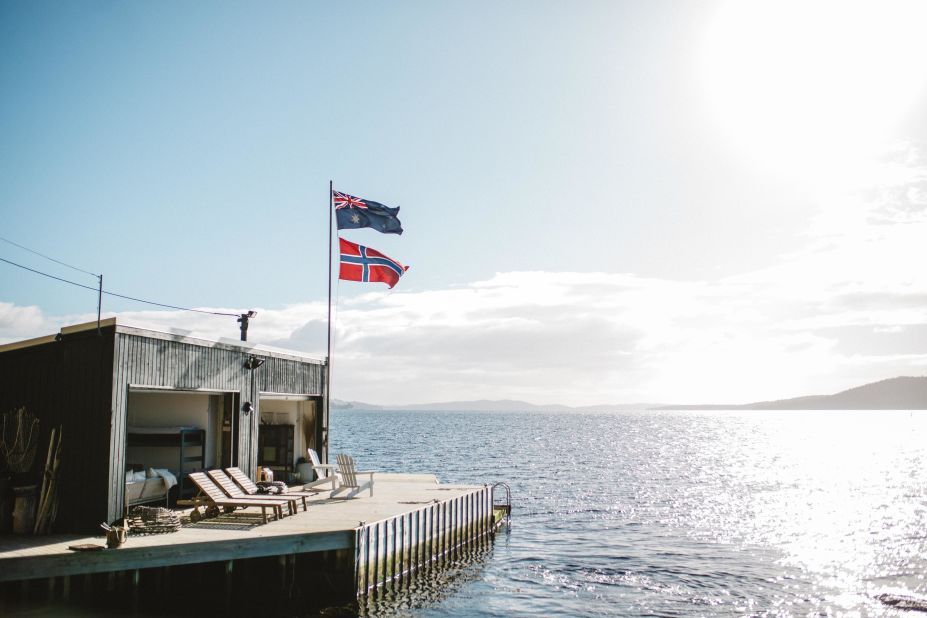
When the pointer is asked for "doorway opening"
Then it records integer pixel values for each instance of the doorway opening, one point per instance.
(288, 428)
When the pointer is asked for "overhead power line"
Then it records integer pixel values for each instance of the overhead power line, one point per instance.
(108, 293)
(16, 244)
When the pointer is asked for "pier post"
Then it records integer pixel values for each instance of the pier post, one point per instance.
(366, 579)
(429, 535)
(400, 550)
(378, 535)
(281, 573)
(448, 530)
(426, 538)
(418, 537)
(444, 526)
(435, 548)
(229, 568)
(391, 529)
(442, 531)
(407, 567)
(166, 580)
(360, 563)
(452, 529)
(135, 581)
(458, 525)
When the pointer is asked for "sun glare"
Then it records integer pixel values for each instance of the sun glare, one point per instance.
(797, 84)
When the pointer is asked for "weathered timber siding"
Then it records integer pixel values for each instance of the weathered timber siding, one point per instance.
(146, 362)
(67, 383)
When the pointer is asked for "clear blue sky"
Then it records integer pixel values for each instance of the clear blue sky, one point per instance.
(639, 157)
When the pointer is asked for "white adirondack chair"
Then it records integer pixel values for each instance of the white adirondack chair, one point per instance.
(349, 473)
(325, 473)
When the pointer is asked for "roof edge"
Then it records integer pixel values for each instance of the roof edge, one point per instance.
(125, 329)
(26, 343)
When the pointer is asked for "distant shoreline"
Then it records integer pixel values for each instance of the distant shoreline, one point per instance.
(900, 393)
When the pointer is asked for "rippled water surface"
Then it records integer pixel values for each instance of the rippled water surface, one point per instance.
(670, 513)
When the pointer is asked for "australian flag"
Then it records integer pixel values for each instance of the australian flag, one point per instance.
(360, 263)
(353, 212)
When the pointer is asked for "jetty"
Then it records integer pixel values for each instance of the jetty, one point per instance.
(333, 553)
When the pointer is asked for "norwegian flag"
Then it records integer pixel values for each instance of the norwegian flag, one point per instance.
(360, 263)
(354, 212)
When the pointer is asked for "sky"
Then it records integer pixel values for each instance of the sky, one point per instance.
(603, 202)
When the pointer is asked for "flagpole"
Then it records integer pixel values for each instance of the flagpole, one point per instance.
(328, 372)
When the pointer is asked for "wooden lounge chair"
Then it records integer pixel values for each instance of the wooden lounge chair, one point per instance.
(325, 473)
(228, 486)
(250, 488)
(216, 498)
(349, 473)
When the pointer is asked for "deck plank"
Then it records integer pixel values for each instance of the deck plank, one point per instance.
(328, 524)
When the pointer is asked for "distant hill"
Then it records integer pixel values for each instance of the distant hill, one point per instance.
(487, 405)
(902, 393)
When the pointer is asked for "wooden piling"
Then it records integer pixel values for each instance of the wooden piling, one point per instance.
(229, 571)
(390, 551)
(135, 584)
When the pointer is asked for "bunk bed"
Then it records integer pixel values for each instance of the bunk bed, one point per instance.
(185, 439)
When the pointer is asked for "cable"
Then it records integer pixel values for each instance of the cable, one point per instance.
(138, 300)
(48, 258)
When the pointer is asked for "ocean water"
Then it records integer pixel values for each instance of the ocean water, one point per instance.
(747, 513)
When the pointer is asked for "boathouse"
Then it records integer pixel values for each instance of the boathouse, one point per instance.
(137, 400)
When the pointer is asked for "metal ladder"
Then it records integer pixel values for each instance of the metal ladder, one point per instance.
(506, 506)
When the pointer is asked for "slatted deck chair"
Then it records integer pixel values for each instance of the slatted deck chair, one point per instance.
(349, 473)
(250, 488)
(232, 490)
(325, 473)
(216, 498)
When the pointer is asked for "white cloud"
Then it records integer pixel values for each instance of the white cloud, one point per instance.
(584, 338)
(845, 310)
(17, 323)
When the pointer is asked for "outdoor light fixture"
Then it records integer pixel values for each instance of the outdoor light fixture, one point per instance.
(253, 362)
(247, 408)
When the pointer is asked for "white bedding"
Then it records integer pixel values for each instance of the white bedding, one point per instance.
(169, 479)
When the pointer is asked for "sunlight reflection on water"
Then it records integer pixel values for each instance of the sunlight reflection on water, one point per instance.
(674, 513)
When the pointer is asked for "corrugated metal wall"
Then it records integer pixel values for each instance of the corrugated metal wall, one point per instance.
(143, 361)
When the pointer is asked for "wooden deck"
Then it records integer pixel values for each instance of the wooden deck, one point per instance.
(329, 524)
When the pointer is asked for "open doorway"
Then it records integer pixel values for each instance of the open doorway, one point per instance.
(170, 434)
(288, 427)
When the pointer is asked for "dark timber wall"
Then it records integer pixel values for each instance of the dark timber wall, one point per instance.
(82, 382)
(67, 383)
